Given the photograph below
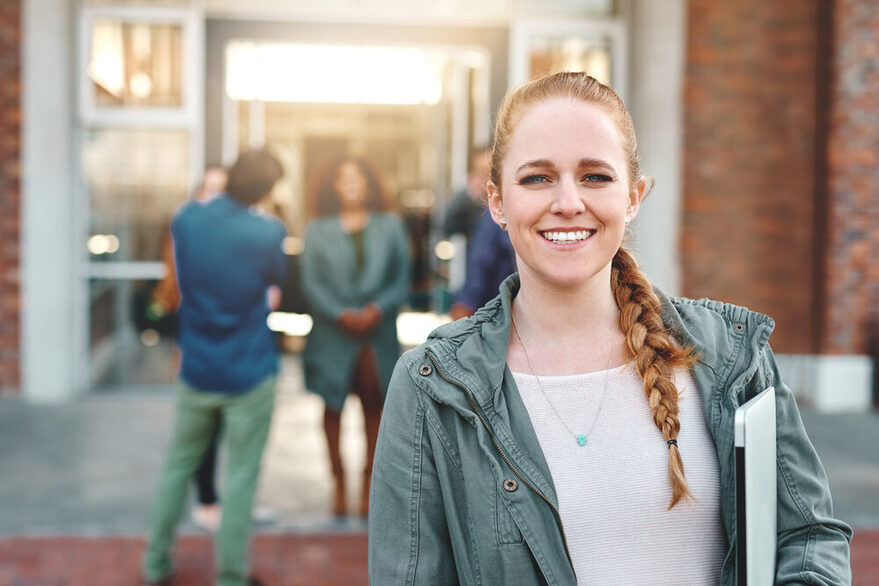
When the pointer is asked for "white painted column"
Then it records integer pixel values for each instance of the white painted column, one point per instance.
(48, 260)
(655, 100)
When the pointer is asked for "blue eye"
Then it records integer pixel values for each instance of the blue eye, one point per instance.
(597, 178)
(534, 179)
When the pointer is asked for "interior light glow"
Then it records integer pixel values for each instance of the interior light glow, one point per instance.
(149, 337)
(293, 245)
(444, 250)
(103, 244)
(414, 327)
(97, 244)
(112, 243)
(288, 72)
(292, 324)
(141, 85)
(106, 67)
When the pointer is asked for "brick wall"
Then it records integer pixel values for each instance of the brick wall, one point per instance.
(851, 260)
(10, 192)
(751, 144)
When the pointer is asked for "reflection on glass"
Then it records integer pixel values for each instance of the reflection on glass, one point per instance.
(128, 345)
(136, 179)
(578, 8)
(551, 55)
(138, 2)
(136, 64)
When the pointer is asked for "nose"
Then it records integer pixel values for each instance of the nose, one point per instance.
(567, 201)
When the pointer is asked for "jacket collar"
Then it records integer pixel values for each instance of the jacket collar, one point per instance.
(473, 351)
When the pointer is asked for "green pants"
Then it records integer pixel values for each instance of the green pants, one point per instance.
(246, 418)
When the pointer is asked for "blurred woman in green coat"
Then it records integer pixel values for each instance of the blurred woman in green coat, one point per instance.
(355, 276)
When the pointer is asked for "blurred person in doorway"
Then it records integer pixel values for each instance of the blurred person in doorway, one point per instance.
(467, 205)
(355, 276)
(165, 301)
(228, 256)
(490, 260)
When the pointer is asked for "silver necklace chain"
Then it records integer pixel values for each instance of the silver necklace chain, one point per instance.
(580, 437)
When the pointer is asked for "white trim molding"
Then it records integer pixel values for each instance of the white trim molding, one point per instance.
(831, 384)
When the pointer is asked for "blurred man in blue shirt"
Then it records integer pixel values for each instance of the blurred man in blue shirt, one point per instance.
(228, 255)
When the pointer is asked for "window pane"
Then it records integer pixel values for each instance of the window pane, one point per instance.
(135, 179)
(136, 64)
(575, 8)
(551, 55)
(128, 345)
(138, 2)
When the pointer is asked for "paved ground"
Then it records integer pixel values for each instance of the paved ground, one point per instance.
(279, 560)
(76, 482)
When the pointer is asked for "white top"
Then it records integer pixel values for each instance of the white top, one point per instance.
(614, 492)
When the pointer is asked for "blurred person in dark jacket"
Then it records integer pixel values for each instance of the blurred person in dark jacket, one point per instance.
(228, 256)
(491, 260)
(468, 204)
(355, 276)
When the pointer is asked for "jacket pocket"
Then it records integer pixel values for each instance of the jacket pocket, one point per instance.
(507, 531)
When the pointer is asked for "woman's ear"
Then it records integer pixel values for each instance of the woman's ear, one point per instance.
(641, 191)
(496, 204)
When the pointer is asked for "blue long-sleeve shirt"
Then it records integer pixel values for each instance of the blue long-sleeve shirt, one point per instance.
(227, 255)
(490, 260)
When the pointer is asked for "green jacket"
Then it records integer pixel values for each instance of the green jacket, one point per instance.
(332, 284)
(455, 432)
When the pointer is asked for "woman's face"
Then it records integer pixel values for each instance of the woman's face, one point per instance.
(351, 186)
(565, 193)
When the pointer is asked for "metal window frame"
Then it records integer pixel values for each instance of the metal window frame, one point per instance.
(523, 31)
(188, 116)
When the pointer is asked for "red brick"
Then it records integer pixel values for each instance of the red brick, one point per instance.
(850, 261)
(10, 190)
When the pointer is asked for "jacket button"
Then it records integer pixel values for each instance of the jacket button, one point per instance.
(510, 485)
(425, 370)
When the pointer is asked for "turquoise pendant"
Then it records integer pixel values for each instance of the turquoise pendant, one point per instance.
(581, 439)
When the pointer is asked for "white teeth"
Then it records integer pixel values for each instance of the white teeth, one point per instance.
(566, 237)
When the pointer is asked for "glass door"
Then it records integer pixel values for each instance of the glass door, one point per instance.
(414, 111)
(594, 45)
(140, 145)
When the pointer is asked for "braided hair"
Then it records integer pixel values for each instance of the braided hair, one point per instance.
(655, 353)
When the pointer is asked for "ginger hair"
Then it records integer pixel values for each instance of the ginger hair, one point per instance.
(655, 352)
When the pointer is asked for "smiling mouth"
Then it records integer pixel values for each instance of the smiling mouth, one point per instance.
(570, 237)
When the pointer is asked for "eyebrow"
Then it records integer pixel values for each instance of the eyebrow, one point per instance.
(588, 162)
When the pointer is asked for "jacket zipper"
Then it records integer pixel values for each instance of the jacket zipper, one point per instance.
(500, 450)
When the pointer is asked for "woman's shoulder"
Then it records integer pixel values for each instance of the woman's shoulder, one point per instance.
(710, 313)
(716, 329)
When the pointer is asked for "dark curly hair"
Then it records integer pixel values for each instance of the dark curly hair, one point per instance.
(328, 200)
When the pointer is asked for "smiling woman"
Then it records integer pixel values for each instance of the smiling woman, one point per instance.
(544, 440)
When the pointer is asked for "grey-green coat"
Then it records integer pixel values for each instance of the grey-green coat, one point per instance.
(331, 285)
(455, 429)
